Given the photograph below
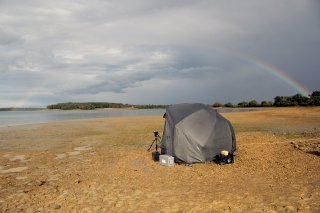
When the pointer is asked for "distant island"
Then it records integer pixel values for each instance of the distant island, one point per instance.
(101, 105)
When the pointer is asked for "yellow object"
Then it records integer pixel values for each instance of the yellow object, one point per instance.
(224, 152)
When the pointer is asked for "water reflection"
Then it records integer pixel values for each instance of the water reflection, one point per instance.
(9, 118)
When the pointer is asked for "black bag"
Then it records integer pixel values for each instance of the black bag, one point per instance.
(222, 159)
(155, 156)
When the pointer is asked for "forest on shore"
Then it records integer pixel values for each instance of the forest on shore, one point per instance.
(279, 101)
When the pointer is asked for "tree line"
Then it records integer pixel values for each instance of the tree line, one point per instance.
(101, 105)
(279, 101)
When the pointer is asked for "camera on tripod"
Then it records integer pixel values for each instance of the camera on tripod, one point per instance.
(156, 140)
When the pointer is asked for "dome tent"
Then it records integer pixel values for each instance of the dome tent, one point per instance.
(194, 132)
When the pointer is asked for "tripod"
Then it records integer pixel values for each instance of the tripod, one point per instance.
(157, 141)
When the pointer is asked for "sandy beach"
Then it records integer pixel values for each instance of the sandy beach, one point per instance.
(102, 165)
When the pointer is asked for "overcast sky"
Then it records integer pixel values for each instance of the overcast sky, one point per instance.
(157, 52)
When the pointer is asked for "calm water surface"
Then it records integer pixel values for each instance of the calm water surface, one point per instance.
(10, 118)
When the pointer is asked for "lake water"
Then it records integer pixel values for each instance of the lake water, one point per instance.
(10, 118)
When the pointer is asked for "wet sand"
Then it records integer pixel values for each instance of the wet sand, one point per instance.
(102, 165)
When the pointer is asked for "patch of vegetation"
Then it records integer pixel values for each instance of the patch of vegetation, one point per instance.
(279, 101)
(101, 105)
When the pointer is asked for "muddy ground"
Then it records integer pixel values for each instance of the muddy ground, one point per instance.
(102, 165)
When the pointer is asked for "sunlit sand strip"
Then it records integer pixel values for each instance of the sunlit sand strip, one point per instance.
(59, 156)
(18, 157)
(74, 153)
(54, 177)
(22, 158)
(7, 156)
(82, 148)
(17, 169)
(21, 178)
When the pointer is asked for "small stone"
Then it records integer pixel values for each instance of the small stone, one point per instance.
(41, 182)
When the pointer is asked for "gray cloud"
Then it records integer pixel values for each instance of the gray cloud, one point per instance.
(183, 51)
(7, 38)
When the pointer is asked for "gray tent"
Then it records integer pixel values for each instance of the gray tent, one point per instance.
(196, 133)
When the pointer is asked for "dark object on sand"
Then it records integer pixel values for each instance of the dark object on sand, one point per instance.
(155, 156)
(223, 159)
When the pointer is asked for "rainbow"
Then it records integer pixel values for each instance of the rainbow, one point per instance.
(33, 91)
(270, 69)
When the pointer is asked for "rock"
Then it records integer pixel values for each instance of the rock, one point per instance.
(41, 182)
